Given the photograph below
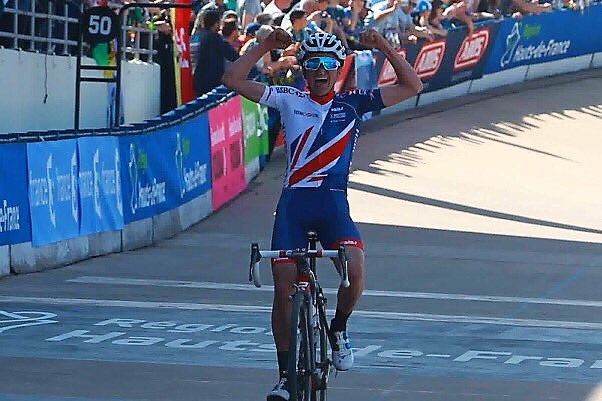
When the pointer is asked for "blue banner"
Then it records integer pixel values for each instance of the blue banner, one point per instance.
(150, 185)
(99, 185)
(53, 190)
(14, 204)
(546, 37)
(192, 158)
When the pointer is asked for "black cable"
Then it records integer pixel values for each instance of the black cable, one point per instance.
(45, 78)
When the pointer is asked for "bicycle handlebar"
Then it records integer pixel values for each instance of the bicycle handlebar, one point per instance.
(257, 254)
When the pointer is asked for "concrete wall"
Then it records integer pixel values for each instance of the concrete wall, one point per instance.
(24, 258)
(33, 75)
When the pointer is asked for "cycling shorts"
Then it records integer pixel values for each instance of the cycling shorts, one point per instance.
(323, 210)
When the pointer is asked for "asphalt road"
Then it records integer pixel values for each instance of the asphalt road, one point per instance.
(483, 225)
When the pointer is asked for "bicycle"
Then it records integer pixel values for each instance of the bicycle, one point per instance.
(308, 366)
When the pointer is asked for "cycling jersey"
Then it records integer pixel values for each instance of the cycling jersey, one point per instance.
(320, 136)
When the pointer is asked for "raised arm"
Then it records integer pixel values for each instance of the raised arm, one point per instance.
(236, 76)
(408, 83)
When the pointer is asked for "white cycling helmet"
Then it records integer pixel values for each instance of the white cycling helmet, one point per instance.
(322, 43)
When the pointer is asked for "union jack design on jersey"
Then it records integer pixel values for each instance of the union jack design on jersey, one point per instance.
(320, 138)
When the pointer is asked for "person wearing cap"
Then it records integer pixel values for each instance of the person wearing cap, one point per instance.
(320, 132)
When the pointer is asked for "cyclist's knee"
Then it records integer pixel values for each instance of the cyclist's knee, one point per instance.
(284, 276)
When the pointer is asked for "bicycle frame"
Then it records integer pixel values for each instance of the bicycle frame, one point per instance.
(311, 304)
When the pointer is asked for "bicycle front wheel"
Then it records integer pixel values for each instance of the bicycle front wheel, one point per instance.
(299, 360)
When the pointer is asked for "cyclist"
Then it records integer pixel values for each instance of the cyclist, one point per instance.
(320, 129)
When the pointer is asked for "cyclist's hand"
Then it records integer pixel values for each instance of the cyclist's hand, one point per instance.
(279, 39)
(373, 40)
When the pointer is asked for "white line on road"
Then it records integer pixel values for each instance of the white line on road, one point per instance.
(374, 293)
(267, 309)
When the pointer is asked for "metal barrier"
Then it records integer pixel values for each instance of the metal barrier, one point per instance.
(46, 30)
(31, 18)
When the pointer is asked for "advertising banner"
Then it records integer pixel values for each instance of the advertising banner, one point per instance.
(468, 53)
(443, 62)
(538, 39)
(192, 158)
(14, 203)
(150, 183)
(255, 129)
(227, 158)
(53, 190)
(183, 64)
(385, 75)
(100, 199)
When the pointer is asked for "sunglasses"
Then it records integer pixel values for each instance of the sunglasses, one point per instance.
(328, 63)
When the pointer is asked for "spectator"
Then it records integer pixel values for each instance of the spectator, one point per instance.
(435, 19)
(355, 22)
(336, 12)
(488, 9)
(460, 13)
(213, 50)
(230, 33)
(264, 19)
(250, 32)
(389, 20)
(248, 10)
(164, 46)
(519, 8)
(298, 30)
(422, 12)
(276, 8)
(215, 5)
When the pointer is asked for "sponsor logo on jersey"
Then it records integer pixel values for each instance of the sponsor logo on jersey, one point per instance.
(288, 89)
(472, 50)
(429, 59)
(305, 114)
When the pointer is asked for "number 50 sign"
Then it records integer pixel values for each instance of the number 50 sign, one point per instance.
(99, 25)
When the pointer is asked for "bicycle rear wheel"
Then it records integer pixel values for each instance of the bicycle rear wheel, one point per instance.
(299, 360)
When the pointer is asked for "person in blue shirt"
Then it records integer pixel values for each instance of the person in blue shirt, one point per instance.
(212, 52)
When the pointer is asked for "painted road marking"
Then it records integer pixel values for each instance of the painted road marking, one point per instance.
(374, 293)
(240, 339)
(268, 309)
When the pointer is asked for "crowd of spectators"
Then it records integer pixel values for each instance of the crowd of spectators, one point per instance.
(221, 30)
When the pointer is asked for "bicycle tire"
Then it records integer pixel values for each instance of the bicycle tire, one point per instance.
(299, 382)
(322, 360)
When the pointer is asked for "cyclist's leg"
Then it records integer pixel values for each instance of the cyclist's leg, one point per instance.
(289, 233)
(336, 228)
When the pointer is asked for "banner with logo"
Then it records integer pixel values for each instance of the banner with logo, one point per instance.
(227, 158)
(192, 158)
(100, 199)
(183, 70)
(546, 37)
(385, 74)
(150, 184)
(53, 190)
(255, 129)
(14, 203)
(468, 54)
